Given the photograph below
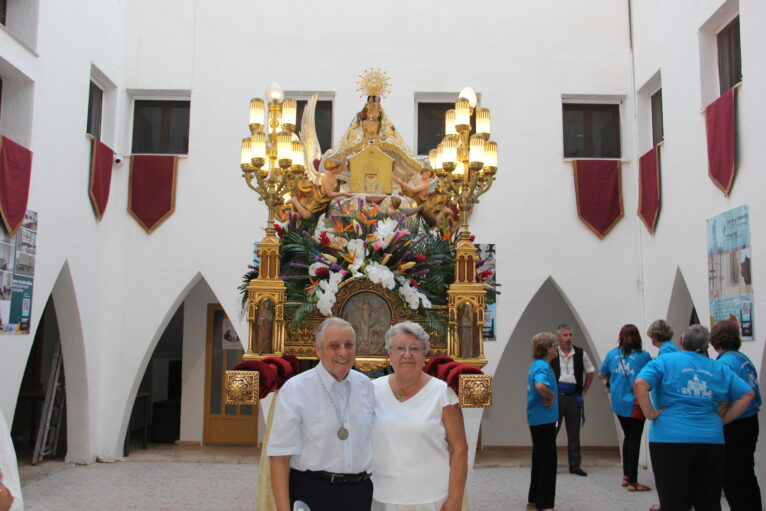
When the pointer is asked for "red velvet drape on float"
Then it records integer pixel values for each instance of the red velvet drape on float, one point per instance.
(152, 190)
(101, 158)
(649, 188)
(720, 127)
(15, 173)
(599, 194)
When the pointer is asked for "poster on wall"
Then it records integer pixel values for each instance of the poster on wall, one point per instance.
(17, 271)
(729, 272)
(229, 337)
(487, 254)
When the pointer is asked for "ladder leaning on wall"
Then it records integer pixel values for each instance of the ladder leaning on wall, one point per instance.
(52, 414)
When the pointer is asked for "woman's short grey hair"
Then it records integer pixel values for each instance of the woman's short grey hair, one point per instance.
(328, 322)
(412, 328)
(696, 338)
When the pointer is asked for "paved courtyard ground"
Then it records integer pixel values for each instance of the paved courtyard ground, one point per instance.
(212, 479)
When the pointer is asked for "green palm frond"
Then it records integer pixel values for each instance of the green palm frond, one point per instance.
(299, 313)
(246, 278)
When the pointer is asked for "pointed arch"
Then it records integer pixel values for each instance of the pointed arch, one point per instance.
(141, 368)
(78, 399)
(680, 307)
(505, 423)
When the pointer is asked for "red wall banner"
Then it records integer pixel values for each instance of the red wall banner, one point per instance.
(101, 159)
(720, 127)
(15, 173)
(599, 194)
(649, 188)
(152, 190)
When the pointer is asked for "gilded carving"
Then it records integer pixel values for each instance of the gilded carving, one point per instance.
(241, 387)
(475, 390)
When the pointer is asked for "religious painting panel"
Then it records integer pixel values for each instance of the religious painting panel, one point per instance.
(370, 315)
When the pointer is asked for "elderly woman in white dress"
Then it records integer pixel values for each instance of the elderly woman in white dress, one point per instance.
(421, 454)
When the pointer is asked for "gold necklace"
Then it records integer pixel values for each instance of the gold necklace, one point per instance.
(402, 393)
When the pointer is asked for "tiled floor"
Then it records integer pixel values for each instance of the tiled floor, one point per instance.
(213, 478)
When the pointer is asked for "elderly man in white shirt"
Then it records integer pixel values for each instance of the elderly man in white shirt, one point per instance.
(320, 445)
(574, 372)
(10, 487)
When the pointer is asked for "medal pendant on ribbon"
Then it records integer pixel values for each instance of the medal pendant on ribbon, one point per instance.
(342, 433)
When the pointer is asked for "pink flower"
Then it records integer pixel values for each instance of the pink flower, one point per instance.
(400, 234)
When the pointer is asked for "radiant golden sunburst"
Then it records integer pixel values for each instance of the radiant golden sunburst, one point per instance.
(374, 82)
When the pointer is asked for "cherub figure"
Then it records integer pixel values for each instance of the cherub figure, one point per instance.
(309, 199)
(426, 194)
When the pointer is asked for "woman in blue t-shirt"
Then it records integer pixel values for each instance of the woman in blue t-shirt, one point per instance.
(686, 436)
(661, 334)
(739, 484)
(542, 414)
(619, 370)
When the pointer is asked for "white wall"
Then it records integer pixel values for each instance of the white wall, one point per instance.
(676, 38)
(505, 424)
(193, 365)
(522, 58)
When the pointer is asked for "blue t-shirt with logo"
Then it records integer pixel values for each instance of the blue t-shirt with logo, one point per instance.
(667, 347)
(690, 386)
(537, 413)
(622, 371)
(744, 368)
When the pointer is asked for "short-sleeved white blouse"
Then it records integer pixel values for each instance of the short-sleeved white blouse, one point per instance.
(411, 462)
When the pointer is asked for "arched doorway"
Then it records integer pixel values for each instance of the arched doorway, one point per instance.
(172, 388)
(505, 425)
(41, 368)
(59, 327)
(681, 309)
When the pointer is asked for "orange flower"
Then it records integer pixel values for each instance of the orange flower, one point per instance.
(339, 228)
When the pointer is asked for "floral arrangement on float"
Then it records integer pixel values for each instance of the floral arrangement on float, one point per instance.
(358, 240)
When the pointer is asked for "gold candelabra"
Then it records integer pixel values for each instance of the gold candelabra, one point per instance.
(465, 164)
(272, 162)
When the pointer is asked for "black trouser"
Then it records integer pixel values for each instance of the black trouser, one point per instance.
(542, 484)
(688, 474)
(631, 445)
(323, 495)
(740, 485)
(570, 411)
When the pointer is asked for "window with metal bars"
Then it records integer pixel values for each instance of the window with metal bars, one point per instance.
(95, 107)
(729, 56)
(591, 130)
(658, 132)
(161, 127)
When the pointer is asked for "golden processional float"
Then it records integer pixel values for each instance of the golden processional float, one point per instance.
(369, 232)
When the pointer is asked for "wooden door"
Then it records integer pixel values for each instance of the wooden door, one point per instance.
(224, 424)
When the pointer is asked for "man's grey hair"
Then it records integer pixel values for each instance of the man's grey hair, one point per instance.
(696, 338)
(412, 328)
(329, 322)
(562, 327)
